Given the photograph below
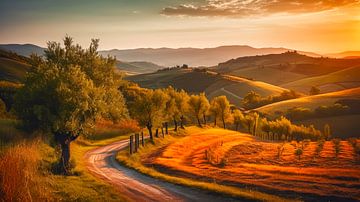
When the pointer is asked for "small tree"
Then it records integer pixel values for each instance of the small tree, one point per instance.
(222, 107)
(298, 152)
(198, 106)
(205, 106)
(238, 118)
(148, 109)
(314, 90)
(66, 91)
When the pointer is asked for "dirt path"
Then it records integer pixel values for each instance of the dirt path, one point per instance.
(135, 186)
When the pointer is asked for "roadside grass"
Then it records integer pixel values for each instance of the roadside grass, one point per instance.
(134, 162)
(26, 162)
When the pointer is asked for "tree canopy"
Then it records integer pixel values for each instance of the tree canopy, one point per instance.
(67, 90)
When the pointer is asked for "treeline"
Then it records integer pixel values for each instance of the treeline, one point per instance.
(157, 109)
(341, 107)
(254, 100)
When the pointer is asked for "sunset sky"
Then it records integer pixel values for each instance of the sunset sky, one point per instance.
(320, 26)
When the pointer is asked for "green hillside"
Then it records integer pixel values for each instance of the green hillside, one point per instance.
(342, 126)
(213, 84)
(137, 67)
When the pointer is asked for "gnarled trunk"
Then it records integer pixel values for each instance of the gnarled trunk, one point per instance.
(198, 120)
(182, 122)
(149, 127)
(166, 128)
(64, 139)
(175, 125)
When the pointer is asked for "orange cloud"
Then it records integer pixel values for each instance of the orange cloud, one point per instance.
(243, 8)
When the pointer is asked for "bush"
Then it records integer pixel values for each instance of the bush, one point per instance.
(298, 152)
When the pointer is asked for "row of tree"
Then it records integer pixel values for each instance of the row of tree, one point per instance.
(155, 109)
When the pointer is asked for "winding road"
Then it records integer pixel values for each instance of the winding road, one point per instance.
(136, 186)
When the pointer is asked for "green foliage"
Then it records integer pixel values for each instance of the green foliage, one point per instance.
(148, 108)
(69, 88)
(238, 118)
(198, 106)
(67, 91)
(220, 108)
(254, 100)
(300, 113)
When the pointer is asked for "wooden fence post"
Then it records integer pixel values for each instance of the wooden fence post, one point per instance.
(136, 142)
(131, 144)
(142, 139)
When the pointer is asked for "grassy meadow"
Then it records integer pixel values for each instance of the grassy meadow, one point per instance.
(28, 160)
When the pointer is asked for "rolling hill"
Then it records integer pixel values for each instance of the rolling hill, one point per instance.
(340, 80)
(283, 68)
(342, 126)
(137, 67)
(213, 84)
(192, 56)
(23, 49)
(346, 54)
(12, 67)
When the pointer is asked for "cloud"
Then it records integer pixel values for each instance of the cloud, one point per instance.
(244, 8)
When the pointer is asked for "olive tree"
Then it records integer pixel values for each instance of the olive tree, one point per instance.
(66, 91)
(148, 109)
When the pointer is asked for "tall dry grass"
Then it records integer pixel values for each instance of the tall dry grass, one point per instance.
(19, 174)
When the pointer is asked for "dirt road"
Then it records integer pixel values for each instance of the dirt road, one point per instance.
(135, 186)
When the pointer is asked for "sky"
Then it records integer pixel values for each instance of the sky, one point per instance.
(324, 26)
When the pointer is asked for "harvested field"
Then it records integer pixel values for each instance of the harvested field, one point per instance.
(237, 159)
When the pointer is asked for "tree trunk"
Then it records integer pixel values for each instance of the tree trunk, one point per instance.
(64, 139)
(65, 156)
(149, 127)
(162, 132)
(236, 126)
(175, 125)
(223, 121)
(215, 121)
(204, 117)
(198, 120)
(157, 132)
(182, 122)
(249, 127)
(166, 128)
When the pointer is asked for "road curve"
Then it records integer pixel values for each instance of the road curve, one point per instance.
(136, 186)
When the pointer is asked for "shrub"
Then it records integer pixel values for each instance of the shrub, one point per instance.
(298, 152)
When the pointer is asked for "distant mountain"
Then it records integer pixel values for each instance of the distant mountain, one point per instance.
(23, 49)
(346, 54)
(169, 56)
(193, 56)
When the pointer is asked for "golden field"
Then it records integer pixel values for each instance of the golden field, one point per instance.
(235, 159)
